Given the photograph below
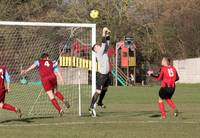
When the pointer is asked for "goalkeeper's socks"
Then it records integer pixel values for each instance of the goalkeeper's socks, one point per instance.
(103, 93)
(9, 107)
(55, 104)
(171, 104)
(162, 109)
(59, 95)
(94, 99)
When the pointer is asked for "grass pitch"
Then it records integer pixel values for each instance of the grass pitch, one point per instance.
(132, 112)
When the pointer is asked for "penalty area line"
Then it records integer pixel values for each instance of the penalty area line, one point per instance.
(98, 122)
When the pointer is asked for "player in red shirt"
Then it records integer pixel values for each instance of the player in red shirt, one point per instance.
(168, 76)
(48, 71)
(5, 77)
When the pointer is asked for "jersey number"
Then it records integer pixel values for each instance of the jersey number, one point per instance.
(46, 63)
(170, 72)
(1, 73)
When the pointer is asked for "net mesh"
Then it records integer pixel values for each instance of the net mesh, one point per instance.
(70, 46)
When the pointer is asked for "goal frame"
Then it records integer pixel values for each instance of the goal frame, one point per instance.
(54, 24)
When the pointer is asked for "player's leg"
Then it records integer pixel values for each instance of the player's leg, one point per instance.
(93, 101)
(8, 106)
(101, 97)
(95, 98)
(173, 106)
(54, 102)
(170, 92)
(161, 104)
(170, 102)
(103, 93)
(61, 97)
(162, 108)
(57, 93)
(49, 85)
(97, 93)
(100, 81)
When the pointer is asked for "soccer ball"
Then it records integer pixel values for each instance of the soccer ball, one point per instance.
(94, 14)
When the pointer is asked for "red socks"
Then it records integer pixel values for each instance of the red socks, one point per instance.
(9, 107)
(59, 95)
(170, 103)
(162, 109)
(55, 104)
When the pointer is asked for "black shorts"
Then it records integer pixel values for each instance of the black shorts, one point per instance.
(166, 92)
(102, 81)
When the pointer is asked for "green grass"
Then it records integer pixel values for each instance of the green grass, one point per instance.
(131, 112)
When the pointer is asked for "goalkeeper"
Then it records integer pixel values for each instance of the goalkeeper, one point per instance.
(102, 80)
(48, 71)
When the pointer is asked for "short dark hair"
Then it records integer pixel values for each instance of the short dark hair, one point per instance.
(44, 55)
(93, 47)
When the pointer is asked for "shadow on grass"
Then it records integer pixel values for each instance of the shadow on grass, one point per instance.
(26, 120)
(158, 115)
(155, 116)
(151, 114)
(129, 114)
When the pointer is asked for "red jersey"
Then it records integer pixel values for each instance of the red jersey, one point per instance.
(168, 76)
(2, 78)
(46, 68)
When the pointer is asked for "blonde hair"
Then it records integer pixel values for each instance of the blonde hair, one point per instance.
(168, 60)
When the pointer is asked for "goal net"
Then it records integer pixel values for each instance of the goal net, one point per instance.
(21, 43)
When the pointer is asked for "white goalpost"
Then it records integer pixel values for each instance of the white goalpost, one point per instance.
(21, 43)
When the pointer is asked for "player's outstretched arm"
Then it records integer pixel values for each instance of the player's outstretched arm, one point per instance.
(60, 77)
(8, 87)
(57, 72)
(7, 80)
(29, 69)
(156, 77)
(150, 72)
(105, 32)
(159, 76)
(105, 40)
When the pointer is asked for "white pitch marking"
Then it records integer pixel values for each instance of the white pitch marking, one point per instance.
(108, 122)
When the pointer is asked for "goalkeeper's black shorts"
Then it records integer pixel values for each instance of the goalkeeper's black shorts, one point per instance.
(166, 92)
(102, 81)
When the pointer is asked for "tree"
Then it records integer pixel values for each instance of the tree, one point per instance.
(159, 27)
